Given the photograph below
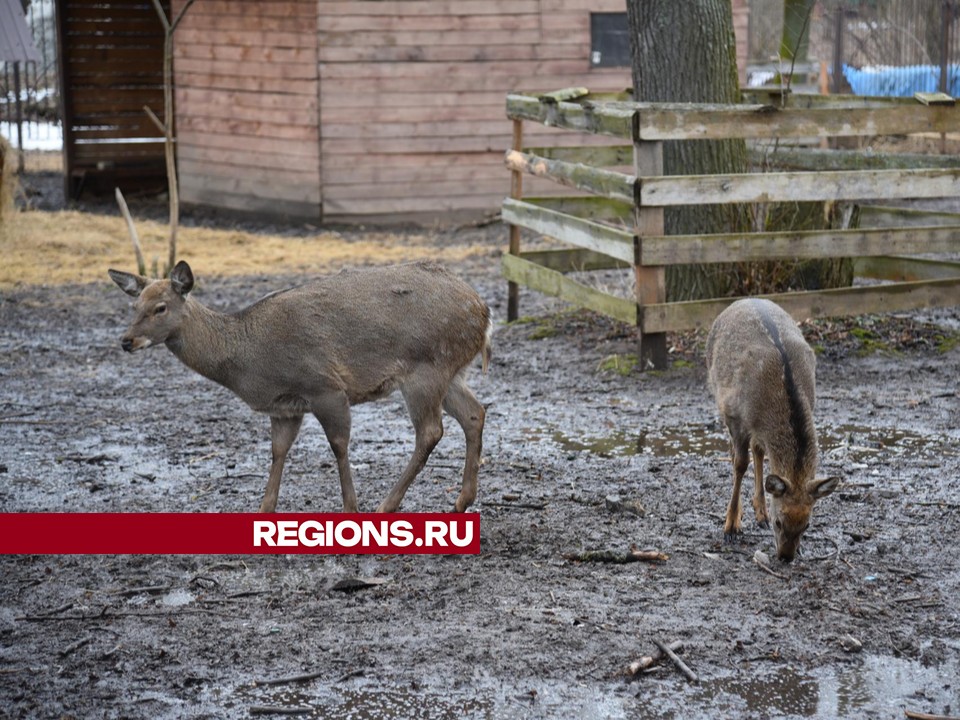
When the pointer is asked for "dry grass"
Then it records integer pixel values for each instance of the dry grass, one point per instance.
(53, 248)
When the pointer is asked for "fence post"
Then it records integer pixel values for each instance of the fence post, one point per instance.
(516, 192)
(650, 280)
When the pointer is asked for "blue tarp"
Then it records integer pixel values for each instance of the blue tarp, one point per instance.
(901, 81)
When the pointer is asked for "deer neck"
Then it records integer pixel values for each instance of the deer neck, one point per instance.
(207, 341)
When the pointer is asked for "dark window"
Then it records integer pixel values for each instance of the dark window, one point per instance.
(609, 40)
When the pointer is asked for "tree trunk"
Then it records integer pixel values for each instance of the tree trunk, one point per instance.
(686, 52)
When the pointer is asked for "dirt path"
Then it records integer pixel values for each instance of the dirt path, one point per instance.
(517, 631)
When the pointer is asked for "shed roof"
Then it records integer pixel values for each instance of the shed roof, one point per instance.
(16, 42)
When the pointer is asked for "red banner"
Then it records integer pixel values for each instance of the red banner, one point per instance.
(238, 533)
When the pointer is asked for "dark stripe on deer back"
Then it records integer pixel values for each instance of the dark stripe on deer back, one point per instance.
(798, 413)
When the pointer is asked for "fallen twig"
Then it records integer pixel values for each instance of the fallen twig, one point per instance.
(759, 558)
(648, 661)
(610, 556)
(914, 715)
(516, 505)
(681, 665)
(145, 590)
(74, 646)
(351, 674)
(292, 679)
(280, 709)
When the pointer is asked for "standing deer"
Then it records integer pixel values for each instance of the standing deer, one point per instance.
(761, 372)
(335, 342)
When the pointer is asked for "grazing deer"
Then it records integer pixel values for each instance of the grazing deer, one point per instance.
(329, 344)
(761, 372)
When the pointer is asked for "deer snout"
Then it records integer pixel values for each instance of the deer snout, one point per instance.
(129, 344)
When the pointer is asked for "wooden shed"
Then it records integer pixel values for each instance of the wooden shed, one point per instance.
(363, 109)
(111, 65)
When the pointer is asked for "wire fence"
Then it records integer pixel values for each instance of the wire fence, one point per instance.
(868, 47)
(29, 91)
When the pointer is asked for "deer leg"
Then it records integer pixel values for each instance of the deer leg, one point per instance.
(424, 407)
(740, 449)
(464, 407)
(333, 412)
(759, 498)
(283, 431)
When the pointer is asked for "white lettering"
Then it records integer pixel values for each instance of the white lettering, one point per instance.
(287, 533)
(434, 530)
(370, 532)
(402, 532)
(263, 532)
(467, 533)
(347, 525)
(308, 538)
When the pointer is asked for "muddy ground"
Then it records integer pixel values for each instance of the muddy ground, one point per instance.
(865, 624)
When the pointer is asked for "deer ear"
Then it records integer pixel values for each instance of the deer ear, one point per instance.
(775, 485)
(181, 278)
(131, 284)
(823, 487)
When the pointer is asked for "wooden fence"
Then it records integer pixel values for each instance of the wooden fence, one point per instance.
(620, 222)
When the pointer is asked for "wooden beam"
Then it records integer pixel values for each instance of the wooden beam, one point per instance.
(934, 98)
(650, 278)
(904, 269)
(591, 207)
(601, 118)
(572, 230)
(820, 160)
(877, 216)
(594, 180)
(772, 96)
(798, 187)
(596, 155)
(551, 282)
(804, 305)
(573, 260)
(746, 247)
(663, 121)
(516, 192)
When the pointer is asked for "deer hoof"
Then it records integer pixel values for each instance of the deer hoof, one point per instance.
(732, 536)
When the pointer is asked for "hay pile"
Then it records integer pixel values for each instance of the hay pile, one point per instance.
(8, 169)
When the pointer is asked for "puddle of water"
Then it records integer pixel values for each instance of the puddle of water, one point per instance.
(856, 443)
(670, 442)
(491, 700)
(870, 686)
(866, 686)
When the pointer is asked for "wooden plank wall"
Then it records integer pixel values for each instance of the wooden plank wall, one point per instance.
(111, 65)
(412, 97)
(247, 122)
(348, 109)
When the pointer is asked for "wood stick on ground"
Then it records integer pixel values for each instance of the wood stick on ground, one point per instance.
(280, 709)
(914, 715)
(767, 569)
(675, 659)
(516, 505)
(609, 556)
(74, 646)
(648, 661)
(292, 679)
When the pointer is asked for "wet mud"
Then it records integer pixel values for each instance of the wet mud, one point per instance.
(576, 458)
